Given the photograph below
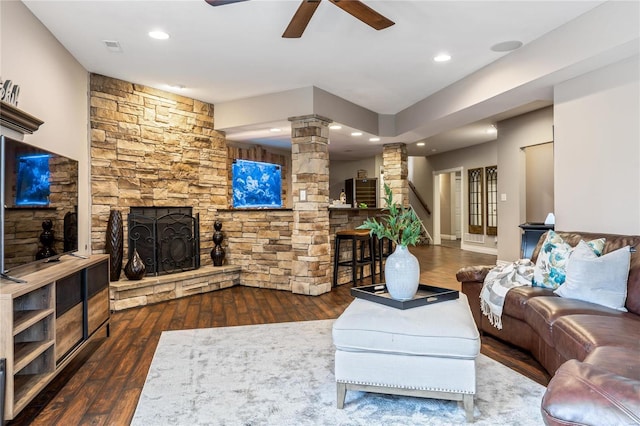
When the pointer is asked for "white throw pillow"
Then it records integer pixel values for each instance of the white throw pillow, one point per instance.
(601, 280)
(550, 270)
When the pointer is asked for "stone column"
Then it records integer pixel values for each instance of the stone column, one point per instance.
(311, 271)
(396, 171)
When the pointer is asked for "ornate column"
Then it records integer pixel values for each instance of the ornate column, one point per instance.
(396, 171)
(311, 271)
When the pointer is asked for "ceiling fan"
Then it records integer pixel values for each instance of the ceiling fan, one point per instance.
(306, 9)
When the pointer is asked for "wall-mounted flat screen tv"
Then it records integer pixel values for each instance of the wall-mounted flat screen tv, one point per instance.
(256, 184)
(38, 193)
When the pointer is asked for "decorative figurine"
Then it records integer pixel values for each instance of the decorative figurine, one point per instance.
(217, 253)
(135, 267)
(47, 239)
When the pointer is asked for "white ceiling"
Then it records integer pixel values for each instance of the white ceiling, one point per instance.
(231, 52)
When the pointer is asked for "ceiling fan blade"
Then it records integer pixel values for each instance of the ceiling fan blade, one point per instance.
(301, 19)
(364, 13)
(222, 2)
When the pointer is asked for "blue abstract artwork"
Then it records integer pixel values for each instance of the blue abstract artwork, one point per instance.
(256, 184)
(32, 185)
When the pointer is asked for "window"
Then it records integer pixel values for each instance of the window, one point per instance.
(475, 202)
(491, 175)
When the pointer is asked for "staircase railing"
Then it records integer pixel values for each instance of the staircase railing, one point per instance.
(424, 228)
(419, 197)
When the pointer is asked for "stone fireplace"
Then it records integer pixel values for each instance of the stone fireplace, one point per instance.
(166, 238)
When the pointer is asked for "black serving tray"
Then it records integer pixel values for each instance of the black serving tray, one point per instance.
(426, 295)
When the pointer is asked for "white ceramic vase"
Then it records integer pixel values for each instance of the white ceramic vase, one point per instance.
(402, 274)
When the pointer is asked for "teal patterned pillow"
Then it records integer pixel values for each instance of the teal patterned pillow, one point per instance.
(550, 269)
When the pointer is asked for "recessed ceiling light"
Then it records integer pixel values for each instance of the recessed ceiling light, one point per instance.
(275, 130)
(420, 144)
(374, 139)
(158, 35)
(506, 46)
(442, 57)
(335, 127)
(433, 150)
(356, 133)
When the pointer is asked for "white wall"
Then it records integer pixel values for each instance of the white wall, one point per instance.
(339, 171)
(597, 150)
(468, 158)
(420, 173)
(514, 134)
(53, 88)
(539, 182)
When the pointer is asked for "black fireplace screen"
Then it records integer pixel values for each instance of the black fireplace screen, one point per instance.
(166, 238)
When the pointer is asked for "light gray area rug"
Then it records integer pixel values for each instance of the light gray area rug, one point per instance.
(282, 374)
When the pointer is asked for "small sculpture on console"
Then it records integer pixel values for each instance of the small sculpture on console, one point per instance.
(217, 253)
(48, 240)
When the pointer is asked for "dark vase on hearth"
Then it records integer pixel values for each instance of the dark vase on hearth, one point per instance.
(115, 244)
(217, 253)
(135, 268)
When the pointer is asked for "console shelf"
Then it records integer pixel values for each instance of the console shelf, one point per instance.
(45, 322)
(25, 319)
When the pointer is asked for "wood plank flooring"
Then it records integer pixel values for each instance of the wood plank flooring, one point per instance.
(102, 386)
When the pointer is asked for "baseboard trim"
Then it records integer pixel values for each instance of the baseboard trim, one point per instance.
(479, 249)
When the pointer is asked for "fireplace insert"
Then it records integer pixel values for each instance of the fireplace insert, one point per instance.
(166, 238)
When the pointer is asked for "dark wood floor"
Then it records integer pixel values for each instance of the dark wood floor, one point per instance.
(102, 386)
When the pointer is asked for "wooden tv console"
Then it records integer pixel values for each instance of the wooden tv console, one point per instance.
(47, 321)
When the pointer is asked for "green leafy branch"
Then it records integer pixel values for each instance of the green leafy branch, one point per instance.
(399, 224)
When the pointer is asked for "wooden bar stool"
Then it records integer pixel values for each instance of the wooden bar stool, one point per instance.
(383, 248)
(355, 236)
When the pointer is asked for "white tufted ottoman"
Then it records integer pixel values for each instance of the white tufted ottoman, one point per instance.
(428, 351)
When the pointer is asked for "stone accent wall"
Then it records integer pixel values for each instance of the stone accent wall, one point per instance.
(396, 171)
(153, 148)
(259, 241)
(312, 271)
(257, 153)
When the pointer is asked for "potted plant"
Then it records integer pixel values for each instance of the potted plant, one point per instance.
(400, 225)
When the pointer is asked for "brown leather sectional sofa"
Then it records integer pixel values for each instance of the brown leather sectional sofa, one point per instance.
(591, 351)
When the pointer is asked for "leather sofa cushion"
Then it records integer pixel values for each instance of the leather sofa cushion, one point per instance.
(543, 312)
(575, 336)
(517, 298)
(613, 242)
(620, 361)
(585, 394)
(473, 273)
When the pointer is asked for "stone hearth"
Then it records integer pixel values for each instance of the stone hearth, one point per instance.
(126, 294)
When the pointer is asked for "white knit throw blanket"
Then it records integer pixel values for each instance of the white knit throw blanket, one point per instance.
(498, 282)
